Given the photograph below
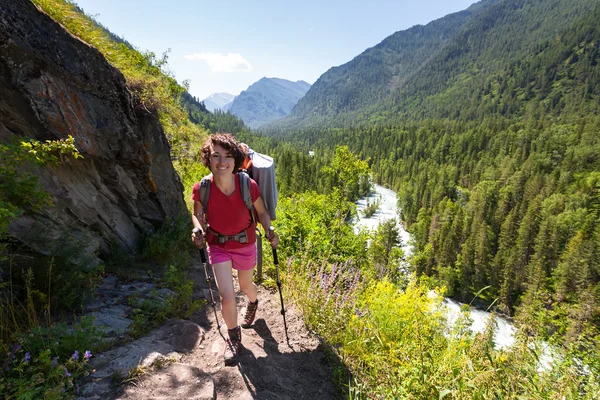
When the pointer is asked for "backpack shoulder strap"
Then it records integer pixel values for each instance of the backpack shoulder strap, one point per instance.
(205, 192)
(246, 195)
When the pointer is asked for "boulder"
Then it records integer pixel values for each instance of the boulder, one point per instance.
(53, 85)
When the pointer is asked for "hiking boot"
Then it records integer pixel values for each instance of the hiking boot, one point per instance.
(232, 346)
(250, 314)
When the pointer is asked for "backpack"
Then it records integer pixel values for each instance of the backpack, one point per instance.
(244, 191)
(261, 168)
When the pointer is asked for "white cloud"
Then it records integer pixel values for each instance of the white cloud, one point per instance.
(223, 63)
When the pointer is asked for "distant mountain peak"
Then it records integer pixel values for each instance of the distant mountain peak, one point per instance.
(218, 101)
(268, 99)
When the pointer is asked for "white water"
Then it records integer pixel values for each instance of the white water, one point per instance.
(504, 335)
(387, 210)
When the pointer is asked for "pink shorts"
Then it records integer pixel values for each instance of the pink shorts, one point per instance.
(243, 258)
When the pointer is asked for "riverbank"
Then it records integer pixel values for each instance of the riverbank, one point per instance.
(388, 209)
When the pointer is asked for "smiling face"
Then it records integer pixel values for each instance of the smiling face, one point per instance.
(222, 146)
(222, 161)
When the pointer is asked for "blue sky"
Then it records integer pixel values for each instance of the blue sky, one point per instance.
(225, 46)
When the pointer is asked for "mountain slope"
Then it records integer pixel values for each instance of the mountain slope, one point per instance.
(267, 99)
(454, 66)
(218, 100)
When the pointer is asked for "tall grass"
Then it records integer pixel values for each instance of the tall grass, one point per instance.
(398, 344)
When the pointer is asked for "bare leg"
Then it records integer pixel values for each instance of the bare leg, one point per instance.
(247, 284)
(224, 278)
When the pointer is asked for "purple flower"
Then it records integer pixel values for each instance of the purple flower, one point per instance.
(77, 387)
(54, 361)
(67, 372)
(15, 348)
(27, 358)
(87, 355)
(75, 355)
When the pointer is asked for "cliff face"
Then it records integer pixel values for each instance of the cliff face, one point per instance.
(53, 85)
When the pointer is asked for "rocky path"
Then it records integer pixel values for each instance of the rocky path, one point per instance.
(183, 359)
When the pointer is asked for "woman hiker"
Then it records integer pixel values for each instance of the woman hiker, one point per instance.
(226, 226)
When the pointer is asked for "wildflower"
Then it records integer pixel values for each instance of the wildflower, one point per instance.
(67, 372)
(77, 387)
(27, 358)
(75, 355)
(54, 361)
(87, 355)
(14, 350)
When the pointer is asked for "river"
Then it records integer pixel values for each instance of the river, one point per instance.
(504, 335)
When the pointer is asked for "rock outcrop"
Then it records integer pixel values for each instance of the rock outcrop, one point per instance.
(53, 85)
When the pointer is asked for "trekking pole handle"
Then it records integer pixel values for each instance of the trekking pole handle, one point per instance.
(275, 260)
(202, 255)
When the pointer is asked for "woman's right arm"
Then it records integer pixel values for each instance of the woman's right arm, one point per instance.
(199, 223)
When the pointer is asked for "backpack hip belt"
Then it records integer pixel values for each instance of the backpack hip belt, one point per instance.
(241, 237)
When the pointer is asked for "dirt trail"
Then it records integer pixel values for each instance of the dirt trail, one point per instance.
(268, 367)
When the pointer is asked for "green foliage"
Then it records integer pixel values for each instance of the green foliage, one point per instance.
(170, 243)
(315, 225)
(27, 291)
(47, 362)
(171, 297)
(398, 344)
(169, 246)
(386, 252)
(51, 151)
(326, 294)
(346, 171)
(181, 305)
(19, 189)
(370, 209)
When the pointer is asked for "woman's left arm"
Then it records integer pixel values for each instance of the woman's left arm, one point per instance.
(265, 220)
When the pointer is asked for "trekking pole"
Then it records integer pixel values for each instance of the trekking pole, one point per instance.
(276, 262)
(259, 256)
(212, 298)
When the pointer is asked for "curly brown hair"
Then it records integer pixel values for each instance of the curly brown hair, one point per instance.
(229, 143)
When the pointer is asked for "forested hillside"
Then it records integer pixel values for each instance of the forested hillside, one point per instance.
(493, 147)
(499, 57)
(267, 99)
